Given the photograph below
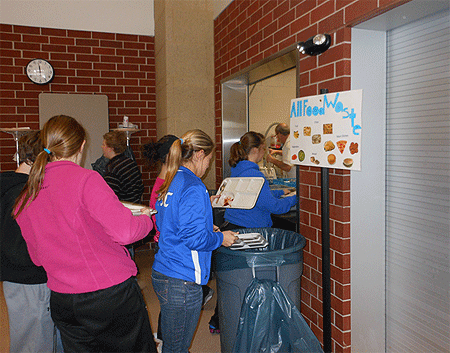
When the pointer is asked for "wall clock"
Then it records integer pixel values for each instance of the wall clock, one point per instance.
(40, 71)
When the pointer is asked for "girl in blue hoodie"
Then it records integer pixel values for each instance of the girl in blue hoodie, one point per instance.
(187, 238)
(244, 158)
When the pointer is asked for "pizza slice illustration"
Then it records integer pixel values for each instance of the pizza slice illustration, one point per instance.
(341, 145)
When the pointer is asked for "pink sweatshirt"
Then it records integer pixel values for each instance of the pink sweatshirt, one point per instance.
(153, 198)
(76, 228)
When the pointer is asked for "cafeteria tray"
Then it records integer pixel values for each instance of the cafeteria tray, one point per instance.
(136, 208)
(249, 241)
(239, 192)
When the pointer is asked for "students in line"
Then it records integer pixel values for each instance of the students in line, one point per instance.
(76, 228)
(187, 238)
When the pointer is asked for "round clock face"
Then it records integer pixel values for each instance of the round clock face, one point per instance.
(40, 71)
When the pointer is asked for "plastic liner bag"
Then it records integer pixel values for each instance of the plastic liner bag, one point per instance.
(285, 247)
(270, 322)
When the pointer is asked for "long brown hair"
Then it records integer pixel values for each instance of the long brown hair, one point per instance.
(239, 150)
(181, 151)
(62, 137)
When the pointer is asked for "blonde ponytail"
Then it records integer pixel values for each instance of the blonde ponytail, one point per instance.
(181, 152)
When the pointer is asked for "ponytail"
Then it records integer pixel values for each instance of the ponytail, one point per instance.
(181, 151)
(239, 151)
(62, 137)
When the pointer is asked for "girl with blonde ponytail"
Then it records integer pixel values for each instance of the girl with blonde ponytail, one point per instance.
(77, 229)
(187, 238)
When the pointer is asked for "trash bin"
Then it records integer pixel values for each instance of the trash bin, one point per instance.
(281, 260)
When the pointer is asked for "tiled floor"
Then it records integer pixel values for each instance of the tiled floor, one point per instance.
(204, 341)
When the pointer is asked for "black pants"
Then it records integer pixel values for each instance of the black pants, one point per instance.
(109, 320)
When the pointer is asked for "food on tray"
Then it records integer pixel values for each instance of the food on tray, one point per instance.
(331, 159)
(316, 139)
(353, 148)
(341, 145)
(348, 162)
(327, 128)
(228, 199)
(307, 131)
(328, 146)
(301, 155)
(294, 157)
(296, 134)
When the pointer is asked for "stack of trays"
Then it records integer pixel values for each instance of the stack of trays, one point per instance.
(136, 209)
(249, 241)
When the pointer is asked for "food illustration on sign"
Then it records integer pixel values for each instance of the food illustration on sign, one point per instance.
(316, 139)
(301, 155)
(348, 162)
(296, 134)
(331, 159)
(353, 148)
(341, 145)
(314, 160)
(328, 146)
(294, 157)
(307, 131)
(327, 129)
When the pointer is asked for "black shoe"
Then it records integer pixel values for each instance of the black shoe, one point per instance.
(214, 324)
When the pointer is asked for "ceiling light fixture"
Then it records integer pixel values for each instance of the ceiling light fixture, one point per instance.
(315, 45)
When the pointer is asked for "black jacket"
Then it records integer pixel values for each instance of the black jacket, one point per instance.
(15, 263)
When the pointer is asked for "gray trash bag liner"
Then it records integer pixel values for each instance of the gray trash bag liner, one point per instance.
(284, 248)
(271, 323)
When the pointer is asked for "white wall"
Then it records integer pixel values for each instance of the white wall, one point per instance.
(367, 196)
(269, 101)
(114, 16)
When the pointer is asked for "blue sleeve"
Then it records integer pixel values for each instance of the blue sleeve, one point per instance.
(269, 202)
(277, 193)
(196, 226)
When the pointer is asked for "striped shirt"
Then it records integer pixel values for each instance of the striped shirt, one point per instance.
(124, 177)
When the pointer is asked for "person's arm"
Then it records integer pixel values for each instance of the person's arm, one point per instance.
(279, 164)
(269, 202)
(196, 229)
(117, 220)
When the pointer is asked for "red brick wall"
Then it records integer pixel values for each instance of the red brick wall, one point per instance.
(248, 31)
(120, 66)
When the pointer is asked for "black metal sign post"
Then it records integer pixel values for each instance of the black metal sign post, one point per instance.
(326, 284)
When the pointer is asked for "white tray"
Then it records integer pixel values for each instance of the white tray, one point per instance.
(136, 209)
(249, 241)
(239, 192)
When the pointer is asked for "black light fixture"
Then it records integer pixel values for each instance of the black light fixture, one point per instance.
(315, 45)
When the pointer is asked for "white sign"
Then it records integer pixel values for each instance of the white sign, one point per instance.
(326, 130)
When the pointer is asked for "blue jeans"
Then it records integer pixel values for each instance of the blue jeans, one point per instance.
(181, 303)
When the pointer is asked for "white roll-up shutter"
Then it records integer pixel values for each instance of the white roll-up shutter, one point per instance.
(417, 187)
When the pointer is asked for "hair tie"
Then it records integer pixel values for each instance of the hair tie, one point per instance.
(182, 141)
(47, 150)
(240, 142)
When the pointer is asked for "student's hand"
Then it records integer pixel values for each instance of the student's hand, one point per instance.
(146, 211)
(229, 238)
(216, 228)
(214, 197)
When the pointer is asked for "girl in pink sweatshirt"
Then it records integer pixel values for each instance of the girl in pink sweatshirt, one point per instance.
(76, 228)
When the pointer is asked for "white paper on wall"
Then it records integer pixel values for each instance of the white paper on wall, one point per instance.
(326, 130)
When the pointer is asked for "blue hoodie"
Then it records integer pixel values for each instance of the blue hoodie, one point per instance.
(268, 201)
(185, 223)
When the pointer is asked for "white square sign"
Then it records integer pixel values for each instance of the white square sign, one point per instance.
(326, 130)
